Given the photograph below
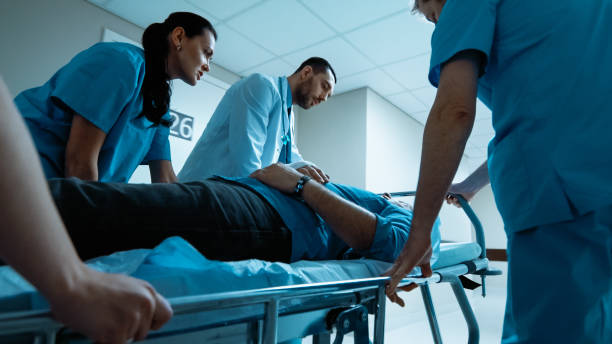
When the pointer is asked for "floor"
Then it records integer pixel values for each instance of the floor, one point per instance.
(410, 325)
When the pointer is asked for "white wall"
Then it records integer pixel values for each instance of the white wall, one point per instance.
(393, 147)
(333, 136)
(394, 142)
(484, 206)
(38, 37)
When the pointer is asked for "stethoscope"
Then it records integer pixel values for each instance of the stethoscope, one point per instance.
(285, 138)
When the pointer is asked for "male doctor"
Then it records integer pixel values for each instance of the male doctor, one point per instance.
(252, 126)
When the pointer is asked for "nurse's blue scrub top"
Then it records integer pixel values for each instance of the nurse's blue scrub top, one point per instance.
(546, 79)
(102, 84)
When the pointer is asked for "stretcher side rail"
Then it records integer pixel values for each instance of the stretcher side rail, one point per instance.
(285, 300)
(277, 304)
(451, 275)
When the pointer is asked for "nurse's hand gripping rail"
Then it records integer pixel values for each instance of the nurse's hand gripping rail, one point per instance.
(271, 315)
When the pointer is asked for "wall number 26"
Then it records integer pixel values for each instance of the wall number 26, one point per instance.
(182, 125)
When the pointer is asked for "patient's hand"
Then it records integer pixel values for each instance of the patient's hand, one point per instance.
(314, 173)
(278, 176)
(109, 308)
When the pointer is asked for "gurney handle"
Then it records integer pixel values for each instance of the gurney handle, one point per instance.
(469, 212)
(480, 238)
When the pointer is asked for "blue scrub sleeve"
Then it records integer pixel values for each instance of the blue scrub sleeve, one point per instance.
(98, 83)
(160, 147)
(463, 25)
(248, 124)
(389, 239)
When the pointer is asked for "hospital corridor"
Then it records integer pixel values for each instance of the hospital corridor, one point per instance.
(305, 171)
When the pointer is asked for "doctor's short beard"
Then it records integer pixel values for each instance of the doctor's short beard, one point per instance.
(302, 94)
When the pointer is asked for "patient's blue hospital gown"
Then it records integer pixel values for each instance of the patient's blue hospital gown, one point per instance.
(102, 84)
(546, 78)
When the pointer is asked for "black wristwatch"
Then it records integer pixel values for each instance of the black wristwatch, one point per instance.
(297, 192)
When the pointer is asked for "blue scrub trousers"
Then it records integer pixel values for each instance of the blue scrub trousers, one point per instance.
(560, 282)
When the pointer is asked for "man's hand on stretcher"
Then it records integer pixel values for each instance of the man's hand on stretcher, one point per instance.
(278, 176)
(284, 177)
(315, 173)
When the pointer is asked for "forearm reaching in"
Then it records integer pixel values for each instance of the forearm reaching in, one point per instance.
(107, 308)
(353, 224)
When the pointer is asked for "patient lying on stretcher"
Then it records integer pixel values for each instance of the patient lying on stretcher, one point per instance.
(239, 218)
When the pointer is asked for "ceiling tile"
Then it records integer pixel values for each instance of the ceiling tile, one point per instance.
(375, 79)
(223, 9)
(407, 102)
(421, 117)
(427, 95)
(411, 73)
(276, 67)
(290, 28)
(344, 59)
(230, 51)
(146, 12)
(393, 39)
(344, 15)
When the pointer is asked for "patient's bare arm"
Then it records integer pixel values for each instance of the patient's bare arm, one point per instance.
(353, 224)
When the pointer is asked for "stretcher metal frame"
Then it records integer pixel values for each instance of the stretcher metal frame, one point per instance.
(277, 314)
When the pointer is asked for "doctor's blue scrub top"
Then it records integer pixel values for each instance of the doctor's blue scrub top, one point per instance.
(313, 239)
(102, 84)
(546, 78)
(246, 131)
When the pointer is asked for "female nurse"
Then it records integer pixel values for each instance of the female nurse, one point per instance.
(106, 111)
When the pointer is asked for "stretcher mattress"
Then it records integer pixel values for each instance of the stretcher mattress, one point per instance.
(175, 269)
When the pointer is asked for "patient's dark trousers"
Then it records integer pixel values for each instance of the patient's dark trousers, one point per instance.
(224, 221)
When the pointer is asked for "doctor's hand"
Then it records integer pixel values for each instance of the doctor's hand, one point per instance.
(460, 189)
(416, 252)
(279, 176)
(109, 308)
(314, 173)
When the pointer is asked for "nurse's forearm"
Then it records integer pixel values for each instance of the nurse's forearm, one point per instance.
(32, 237)
(162, 172)
(443, 144)
(83, 148)
(353, 224)
(446, 132)
(81, 170)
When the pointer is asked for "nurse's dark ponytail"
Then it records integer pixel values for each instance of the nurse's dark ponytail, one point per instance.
(156, 90)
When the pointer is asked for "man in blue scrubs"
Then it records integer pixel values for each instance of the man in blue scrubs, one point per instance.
(543, 68)
(252, 126)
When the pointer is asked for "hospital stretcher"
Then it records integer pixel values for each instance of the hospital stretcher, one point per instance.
(341, 299)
